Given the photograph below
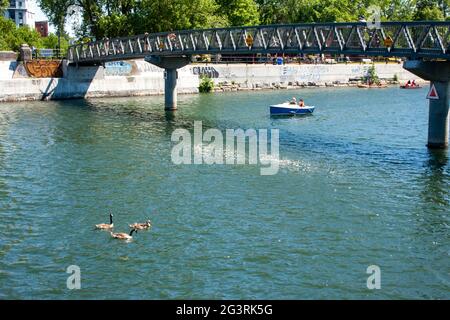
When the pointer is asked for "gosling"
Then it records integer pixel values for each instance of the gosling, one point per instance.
(141, 226)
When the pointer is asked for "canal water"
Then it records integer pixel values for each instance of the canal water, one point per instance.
(356, 187)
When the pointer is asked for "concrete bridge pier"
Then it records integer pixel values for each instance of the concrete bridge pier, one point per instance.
(170, 89)
(170, 65)
(438, 73)
(438, 117)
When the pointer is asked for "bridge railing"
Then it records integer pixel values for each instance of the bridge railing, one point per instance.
(405, 39)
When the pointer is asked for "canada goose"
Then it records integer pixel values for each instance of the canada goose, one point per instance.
(123, 236)
(104, 226)
(139, 226)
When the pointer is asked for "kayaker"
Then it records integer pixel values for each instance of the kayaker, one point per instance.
(301, 103)
(413, 83)
(408, 84)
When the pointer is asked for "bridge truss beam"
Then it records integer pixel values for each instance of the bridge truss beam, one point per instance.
(414, 40)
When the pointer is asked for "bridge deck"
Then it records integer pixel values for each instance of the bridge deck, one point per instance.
(414, 40)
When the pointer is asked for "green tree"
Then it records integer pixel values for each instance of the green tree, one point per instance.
(6, 28)
(430, 10)
(206, 84)
(115, 25)
(57, 12)
(307, 11)
(52, 42)
(157, 16)
(3, 5)
(396, 10)
(240, 12)
(372, 76)
(11, 36)
(110, 18)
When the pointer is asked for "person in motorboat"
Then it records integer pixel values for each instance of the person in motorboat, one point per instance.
(293, 101)
(408, 84)
(413, 84)
(301, 103)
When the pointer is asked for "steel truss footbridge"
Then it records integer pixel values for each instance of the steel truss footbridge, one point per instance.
(413, 40)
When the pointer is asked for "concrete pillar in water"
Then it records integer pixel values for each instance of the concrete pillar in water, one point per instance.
(170, 89)
(438, 73)
(438, 117)
(170, 65)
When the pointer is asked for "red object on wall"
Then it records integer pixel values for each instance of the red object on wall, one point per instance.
(42, 28)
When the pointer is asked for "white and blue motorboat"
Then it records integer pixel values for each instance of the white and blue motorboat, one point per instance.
(289, 109)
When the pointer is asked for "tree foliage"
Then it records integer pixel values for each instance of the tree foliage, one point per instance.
(110, 18)
(170, 15)
(12, 37)
(372, 76)
(3, 5)
(52, 42)
(240, 12)
(431, 10)
(206, 84)
(56, 11)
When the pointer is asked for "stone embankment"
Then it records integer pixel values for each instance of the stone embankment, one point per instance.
(232, 86)
(45, 80)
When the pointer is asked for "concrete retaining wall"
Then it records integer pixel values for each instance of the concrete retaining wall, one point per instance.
(7, 69)
(137, 77)
(319, 74)
(8, 56)
(129, 79)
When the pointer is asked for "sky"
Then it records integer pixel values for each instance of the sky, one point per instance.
(40, 16)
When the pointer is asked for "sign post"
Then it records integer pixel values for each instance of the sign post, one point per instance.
(432, 94)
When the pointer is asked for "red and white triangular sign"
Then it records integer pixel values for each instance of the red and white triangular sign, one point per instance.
(432, 94)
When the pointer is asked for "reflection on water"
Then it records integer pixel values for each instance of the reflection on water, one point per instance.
(356, 187)
(436, 178)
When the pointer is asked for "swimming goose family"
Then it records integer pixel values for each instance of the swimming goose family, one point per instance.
(121, 235)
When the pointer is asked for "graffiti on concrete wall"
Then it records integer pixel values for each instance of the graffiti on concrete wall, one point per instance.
(44, 68)
(210, 72)
(359, 70)
(309, 73)
(288, 73)
(118, 68)
(143, 66)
